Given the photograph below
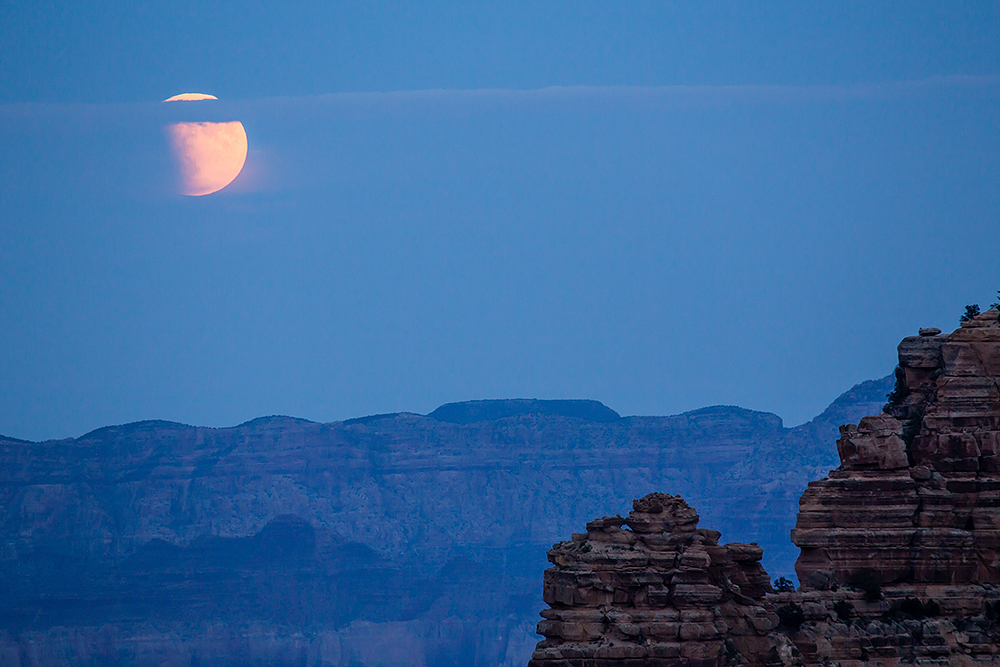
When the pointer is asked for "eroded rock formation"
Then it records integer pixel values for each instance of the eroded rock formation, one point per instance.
(917, 496)
(900, 547)
(662, 592)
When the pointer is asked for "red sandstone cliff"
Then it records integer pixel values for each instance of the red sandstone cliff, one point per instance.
(917, 496)
(662, 592)
(900, 547)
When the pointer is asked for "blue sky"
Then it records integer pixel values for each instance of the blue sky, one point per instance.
(660, 206)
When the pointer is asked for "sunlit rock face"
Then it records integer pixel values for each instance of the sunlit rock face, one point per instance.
(920, 533)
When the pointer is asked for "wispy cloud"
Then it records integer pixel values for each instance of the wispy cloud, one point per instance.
(677, 96)
(308, 141)
(680, 96)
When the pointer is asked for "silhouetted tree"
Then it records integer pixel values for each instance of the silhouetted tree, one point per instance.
(899, 390)
(784, 585)
(970, 312)
(791, 616)
(867, 580)
(844, 610)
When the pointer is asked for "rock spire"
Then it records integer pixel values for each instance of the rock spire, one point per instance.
(658, 591)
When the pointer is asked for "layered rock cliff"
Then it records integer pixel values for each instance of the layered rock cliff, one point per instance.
(393, 539)
(917, 496)
(660, 593)
(913, 512)
(900, 547)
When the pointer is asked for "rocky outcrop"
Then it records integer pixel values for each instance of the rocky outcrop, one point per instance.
(913, 512)
(916, 499)
(874, 444)
(653, 590)
(659, 592)
(900, 547)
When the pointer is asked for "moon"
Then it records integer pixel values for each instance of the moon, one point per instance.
(190, 97)
(209, 155)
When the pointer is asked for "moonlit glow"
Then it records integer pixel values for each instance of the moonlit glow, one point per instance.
(190, 97)
(209, 155)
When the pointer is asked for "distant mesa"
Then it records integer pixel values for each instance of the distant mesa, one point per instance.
(368, 419)
(156, 542)
(134, 428)
(470, 412)
(275, 420)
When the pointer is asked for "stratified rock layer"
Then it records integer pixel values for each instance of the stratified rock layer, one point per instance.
(662, 592)
(916, 499)
(900, 547)
(654, 590)
(418, 541)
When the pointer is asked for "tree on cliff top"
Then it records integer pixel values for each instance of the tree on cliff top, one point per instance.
(970, 312)
(784, 585)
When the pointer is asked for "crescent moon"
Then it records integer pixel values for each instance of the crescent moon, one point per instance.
(209, 155)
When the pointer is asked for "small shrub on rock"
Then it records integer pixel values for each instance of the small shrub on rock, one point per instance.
(844, 610)
(970, 311)
(733, 656)
(911, 607)
(899, 390)
(964, 624)
(867, 581)
(791, 616)
(784, 585)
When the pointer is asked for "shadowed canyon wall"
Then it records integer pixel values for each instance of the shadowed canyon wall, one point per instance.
(387, 540)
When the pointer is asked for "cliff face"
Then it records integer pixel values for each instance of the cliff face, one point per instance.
(662, 592)
(917, 497)
(900, 547)
(393, 539)
(412, 488)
